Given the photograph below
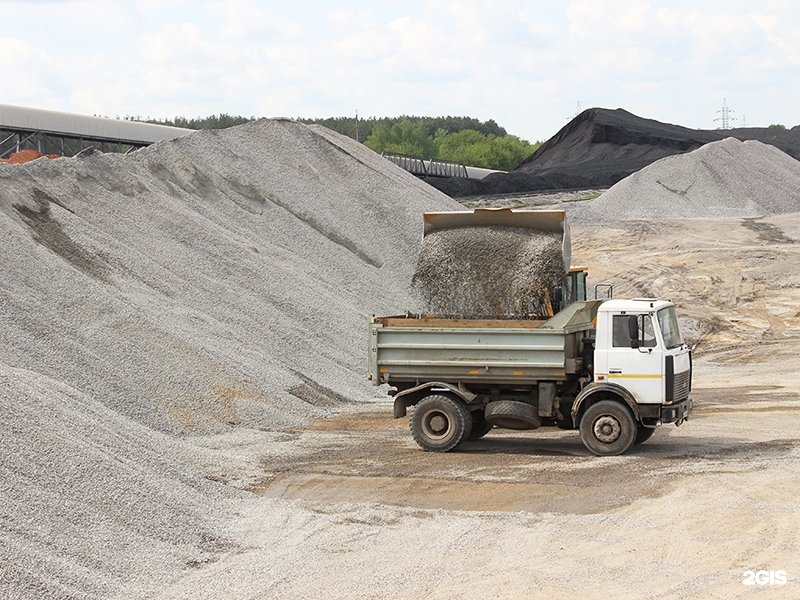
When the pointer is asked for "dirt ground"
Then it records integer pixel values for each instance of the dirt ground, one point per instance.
(351, 508)
(370, 457)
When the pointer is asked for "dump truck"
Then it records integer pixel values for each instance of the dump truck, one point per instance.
(613, 369)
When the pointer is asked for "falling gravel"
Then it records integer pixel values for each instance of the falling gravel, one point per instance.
(165, 313)
(489, 272)
(727, 178)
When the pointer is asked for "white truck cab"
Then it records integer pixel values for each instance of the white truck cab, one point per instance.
(640, 356)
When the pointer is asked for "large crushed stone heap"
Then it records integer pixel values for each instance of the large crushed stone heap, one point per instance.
(218, 284)
(728, 178)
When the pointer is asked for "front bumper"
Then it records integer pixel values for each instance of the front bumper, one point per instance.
(676, 412)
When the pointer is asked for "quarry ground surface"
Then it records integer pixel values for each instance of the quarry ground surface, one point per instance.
(350, 507)
(185, 413)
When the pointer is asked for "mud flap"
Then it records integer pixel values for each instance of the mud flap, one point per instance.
(400, 408)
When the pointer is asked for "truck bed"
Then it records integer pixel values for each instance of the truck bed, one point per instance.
(407, 349)
(426, 322)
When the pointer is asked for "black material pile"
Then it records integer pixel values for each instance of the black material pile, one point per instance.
(600, 147)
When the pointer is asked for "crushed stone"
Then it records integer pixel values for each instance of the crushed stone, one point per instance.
(88, 497)
(165, 313)
(727, 178)
(488, 272)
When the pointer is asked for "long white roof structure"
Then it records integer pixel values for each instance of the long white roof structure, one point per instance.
(96, 128)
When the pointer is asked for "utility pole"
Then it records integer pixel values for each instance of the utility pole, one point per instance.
(357, 126)
(725, 116)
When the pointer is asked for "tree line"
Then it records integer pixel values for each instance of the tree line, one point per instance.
(465, 146)
(463, 140)
(220, 121)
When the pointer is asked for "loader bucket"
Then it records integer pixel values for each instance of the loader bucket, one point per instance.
(535, 220)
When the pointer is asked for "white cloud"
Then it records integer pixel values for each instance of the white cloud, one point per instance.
(246, 20)
(30, 77)
(525, 64)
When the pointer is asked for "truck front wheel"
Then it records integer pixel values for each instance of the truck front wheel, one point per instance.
(608, 428)
(439, 423)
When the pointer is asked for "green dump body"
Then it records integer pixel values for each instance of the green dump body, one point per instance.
(418, 349)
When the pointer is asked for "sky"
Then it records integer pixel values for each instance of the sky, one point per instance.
(530, 66)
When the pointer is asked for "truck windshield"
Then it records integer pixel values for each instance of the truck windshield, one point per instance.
(668, 322)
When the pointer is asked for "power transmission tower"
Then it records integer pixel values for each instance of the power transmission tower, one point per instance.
(725, 116)
(578, 108)
(744, 121)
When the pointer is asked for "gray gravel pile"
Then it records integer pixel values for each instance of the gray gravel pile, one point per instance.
(88, 497)
(488, 272)
(218, 284)
(728, 178)
(220, 279)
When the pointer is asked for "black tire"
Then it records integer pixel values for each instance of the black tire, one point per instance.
(643, 434)
(608, 428)
(510, 414)
(564, 424)
(439, 423)
(480, 426)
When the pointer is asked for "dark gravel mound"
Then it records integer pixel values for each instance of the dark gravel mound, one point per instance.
(600, 147)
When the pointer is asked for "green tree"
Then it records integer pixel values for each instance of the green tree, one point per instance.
(464, 140)
(404, 137)
(347, 125)
(472, 148)
(468, 147)
(220, 121)
(509, 151)
(777, 126)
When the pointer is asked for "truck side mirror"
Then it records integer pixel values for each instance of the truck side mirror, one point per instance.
(633, 330)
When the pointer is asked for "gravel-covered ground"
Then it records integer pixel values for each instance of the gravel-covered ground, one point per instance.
(359, 511)
(362, 513)
(178, 324)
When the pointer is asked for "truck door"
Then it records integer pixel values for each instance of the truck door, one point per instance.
(635, 357)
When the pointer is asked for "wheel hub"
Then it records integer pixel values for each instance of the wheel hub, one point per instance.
(607, 429)
(436, 424)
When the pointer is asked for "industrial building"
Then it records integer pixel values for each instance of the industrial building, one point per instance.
(66, 134)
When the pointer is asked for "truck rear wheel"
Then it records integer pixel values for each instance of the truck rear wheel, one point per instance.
(439, 423)
(480, 426)
(608, 428)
